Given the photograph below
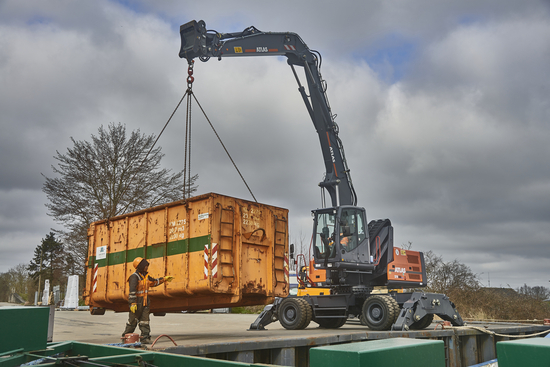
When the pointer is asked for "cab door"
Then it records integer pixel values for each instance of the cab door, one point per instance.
(352, 235)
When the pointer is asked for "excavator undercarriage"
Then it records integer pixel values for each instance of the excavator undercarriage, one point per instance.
(393, 311)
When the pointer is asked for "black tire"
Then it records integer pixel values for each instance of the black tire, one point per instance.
(309, 313)
(423, 322)
(293, 313)
(332, 323)
(380, 312)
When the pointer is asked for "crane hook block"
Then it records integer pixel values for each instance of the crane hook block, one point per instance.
(193, 39)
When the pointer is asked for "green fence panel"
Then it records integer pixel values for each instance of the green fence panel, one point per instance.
(533, 352)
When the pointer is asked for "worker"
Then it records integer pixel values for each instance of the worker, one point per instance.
(303, 274)
(140, 282)
(344, 241)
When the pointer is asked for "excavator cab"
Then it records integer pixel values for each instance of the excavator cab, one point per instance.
(341, 243)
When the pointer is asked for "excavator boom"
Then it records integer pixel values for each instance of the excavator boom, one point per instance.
(197, 42)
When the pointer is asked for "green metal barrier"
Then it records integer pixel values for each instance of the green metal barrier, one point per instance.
(77, 354)
(26, 344)
(24, 328)
(381, 353)
(533, 352)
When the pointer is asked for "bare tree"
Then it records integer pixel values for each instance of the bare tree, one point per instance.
(300, 248)
(16, 280)
(449, 277)
(110, 175)
(537, 292)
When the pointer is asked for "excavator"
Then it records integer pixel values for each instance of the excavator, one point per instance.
(351, 258)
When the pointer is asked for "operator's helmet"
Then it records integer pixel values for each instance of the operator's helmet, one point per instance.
(140, 261)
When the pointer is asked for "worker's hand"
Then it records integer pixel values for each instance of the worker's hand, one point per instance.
(168, 278)
(133, 308)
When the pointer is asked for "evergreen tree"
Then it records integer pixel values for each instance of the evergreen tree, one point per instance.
(48, 261)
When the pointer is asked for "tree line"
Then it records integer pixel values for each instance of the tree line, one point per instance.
(111, 174)
(475, 301)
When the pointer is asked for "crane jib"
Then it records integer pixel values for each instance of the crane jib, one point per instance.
(198, 42)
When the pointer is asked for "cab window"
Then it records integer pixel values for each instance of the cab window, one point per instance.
(352, 229)
(324, 234)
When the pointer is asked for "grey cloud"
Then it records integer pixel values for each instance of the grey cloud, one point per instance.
(454, 150)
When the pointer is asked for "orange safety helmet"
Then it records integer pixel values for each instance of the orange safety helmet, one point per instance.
(138, 261)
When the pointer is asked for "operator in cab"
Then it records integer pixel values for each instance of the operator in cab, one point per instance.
(139, 282)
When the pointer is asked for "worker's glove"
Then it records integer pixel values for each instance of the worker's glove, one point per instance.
(133, 308)
(168, 278)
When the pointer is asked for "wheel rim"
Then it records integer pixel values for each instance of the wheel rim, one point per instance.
(375, 313)
(290, 314)
(379, 312)
(294, 313)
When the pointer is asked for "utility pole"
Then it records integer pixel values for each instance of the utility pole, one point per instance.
(40, 271)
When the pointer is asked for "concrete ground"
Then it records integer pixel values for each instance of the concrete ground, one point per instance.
(186, 329)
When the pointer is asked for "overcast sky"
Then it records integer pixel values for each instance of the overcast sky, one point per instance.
(443, 108)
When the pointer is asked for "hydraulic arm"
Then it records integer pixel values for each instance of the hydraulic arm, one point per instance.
(197, 42)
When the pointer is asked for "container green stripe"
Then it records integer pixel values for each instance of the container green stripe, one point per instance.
(171, 248)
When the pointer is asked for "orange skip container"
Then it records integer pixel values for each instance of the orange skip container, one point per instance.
(222, 251)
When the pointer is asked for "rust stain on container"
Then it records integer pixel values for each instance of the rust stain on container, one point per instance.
(222, 251)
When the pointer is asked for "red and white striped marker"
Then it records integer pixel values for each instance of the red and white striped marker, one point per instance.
(214, 260)
(290, 47)
(94, 283)
(206, 261)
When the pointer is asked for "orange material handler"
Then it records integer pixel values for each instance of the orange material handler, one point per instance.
(139, 282)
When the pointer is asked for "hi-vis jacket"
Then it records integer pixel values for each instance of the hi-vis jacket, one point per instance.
(139, 286)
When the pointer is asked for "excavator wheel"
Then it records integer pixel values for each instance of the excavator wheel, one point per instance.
(380, 312)
(294, 313)
(309, 313)
(423, 322)
(332, 323)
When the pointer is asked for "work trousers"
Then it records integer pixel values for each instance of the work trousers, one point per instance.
(141, 318)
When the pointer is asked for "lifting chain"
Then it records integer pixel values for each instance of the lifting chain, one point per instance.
(190, 77)
(187, 158)
(187, 154)
(187, 178)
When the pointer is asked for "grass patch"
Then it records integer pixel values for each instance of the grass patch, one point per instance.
(248, 309)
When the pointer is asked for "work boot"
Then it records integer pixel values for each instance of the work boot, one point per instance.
(146, 340)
